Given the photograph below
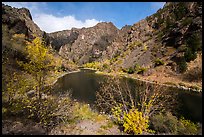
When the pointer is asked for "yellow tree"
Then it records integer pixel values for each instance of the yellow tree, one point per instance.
(40, 61)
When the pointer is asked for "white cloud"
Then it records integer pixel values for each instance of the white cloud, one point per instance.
(157, 5)
(51, 23)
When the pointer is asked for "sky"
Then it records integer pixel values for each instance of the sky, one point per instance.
(57, 16)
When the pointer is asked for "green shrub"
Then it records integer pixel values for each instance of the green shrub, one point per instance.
(187, 21)
(114, 59)
(180, 11)
(130, 70)
(158, 62)
(187, 127)
(141, 70)
(119, 62)
(194, 42)
(160, 35)
(160, 20)
(189, 55)
(164, 123)
(182, 65)
(167, 123)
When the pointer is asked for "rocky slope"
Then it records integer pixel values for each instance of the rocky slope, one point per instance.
(20, 21)
(162, 35)
(86, 44)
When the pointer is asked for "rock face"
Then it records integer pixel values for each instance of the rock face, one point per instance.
(168, 27)
(162, 35)
(20, 21)
(86, 44)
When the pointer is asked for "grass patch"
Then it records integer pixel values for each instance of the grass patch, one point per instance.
(134, 44)
(108, 126)
(99, 118)
(83, 111)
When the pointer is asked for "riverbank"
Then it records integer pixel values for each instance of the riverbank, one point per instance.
(57, 76)
(172, 84)
(136, 77)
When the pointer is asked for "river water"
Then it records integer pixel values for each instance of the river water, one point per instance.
(84, 84)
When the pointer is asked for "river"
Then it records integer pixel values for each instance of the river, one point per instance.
(84, 84)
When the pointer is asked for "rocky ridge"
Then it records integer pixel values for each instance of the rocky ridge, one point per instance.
(162, 35)
(20, 21)
(140, 43)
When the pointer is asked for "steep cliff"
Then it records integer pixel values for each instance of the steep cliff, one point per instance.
(162, 35)
(20, 21)
(86, 44)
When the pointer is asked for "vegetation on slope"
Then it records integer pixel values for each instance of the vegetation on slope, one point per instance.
(146, 109)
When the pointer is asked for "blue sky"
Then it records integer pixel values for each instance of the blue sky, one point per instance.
(57, 16)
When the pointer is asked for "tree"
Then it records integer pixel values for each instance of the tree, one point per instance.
(194, 42)
(48, 108)
(193, 45)
(180, 11)
(182, 65)
(168, 23)
(39, 64)
(189, 55)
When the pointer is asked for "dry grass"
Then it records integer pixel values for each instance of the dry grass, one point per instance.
(192, 77)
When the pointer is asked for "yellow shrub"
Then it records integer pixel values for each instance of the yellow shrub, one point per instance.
(145, 48)
(134, 44)
(187, 127)
(19, 36)
(135, 122)
(118, 114)
(94, 65)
